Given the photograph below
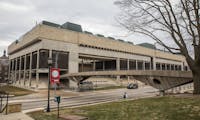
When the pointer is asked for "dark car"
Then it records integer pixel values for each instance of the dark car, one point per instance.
(86, 85)
(132, 86)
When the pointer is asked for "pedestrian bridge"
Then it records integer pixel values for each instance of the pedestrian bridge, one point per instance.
(161, 80)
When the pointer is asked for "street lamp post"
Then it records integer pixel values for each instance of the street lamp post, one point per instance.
(49, 64)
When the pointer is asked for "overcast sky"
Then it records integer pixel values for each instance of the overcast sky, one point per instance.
(97, 16)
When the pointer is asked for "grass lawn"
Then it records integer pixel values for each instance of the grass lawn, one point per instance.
(158, 108)
(12, 90)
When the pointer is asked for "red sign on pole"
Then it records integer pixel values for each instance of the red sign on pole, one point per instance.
(55, 75)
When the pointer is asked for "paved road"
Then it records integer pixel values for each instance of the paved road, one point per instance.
(90, 98)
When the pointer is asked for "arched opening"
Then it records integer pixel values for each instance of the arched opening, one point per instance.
(156, 81)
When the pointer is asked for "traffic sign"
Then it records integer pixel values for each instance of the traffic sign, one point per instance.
(55, 75)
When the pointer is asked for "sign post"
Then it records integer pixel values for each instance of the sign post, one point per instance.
(55, 79)
(57, 99)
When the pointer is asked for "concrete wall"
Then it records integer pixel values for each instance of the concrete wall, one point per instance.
(57, 34)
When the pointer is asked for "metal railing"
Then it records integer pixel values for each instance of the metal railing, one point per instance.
(4, 102)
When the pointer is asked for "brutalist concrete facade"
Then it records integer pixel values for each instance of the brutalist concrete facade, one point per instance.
(75, 51)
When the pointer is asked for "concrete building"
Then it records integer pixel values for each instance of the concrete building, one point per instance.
(74, 50)
(4, 68)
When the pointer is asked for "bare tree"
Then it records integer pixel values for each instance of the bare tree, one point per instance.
(177, 20)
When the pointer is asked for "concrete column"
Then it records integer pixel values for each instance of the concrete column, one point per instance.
(82, 65)
(50, 53)
(9, 69)
(24, 77)
(20, 64)
(94, 65)
(37, 68)
(136, 62)
(154, 63)
(73, 62)
(165, 66)
(118, 78)
(150, 68)
(160, 66)
(30, 69)
(103, 65)
(118, 64)
(182, 66)
(128, 78)
(143, 65)
(15, 70)
(128, 66)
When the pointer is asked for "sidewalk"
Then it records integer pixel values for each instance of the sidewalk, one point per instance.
(42, 95)
(15, 116)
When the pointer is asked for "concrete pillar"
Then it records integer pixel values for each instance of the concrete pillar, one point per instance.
(162, 92)
(15, 70)
(160, 66)
(128, 78)
(144, 65)
(24, 77)
(82, 65)
(118, 64)
(103, 65)
(30, 69)
(182, 66)
(165, 66)
(20, 64)
(73, 62)
(150, 67)
(136, 62)
(154, 63)
(118, 78)
(94, 65)
(128, 65)
(9, 69)
(50, 53)
(37, 68)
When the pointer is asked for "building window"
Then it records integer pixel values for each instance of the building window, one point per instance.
(140, 65)
(157, 66)
(132, 64)
(34, 60)
(147, 65)
(44, 55)
(186, 68)
(60, 59)
(176, 67)
(179, 67)
(163, 66)
(168, 66)
(172, 67)
(28, 62)
(123, 65)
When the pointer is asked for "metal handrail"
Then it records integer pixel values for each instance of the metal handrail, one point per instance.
(3, 95)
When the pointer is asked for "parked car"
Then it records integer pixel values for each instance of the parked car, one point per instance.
(132, 86)
(85, 85)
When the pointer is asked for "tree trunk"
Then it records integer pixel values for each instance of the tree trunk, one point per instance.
(196, 80)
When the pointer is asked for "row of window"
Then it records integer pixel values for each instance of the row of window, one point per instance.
(124, 65)
(60, 59)
(108, 49)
